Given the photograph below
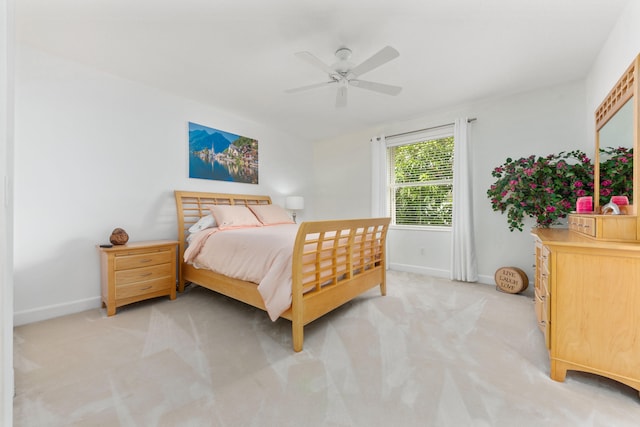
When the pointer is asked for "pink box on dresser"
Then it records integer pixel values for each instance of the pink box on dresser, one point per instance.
(620, 200)
(584, 204)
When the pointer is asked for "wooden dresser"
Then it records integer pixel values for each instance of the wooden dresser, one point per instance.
(587, 298)
(137, 271)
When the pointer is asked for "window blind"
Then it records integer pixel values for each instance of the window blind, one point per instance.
(421, 182)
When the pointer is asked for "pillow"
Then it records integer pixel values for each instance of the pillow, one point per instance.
(234, 216)
(207, 221)
(271, 214)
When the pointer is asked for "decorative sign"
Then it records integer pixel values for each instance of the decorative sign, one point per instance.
(511, 280)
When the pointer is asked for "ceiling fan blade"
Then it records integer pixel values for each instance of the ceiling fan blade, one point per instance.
(311, 59)
(385, 55)
(341, 97)
(376, 87)
(308, 87)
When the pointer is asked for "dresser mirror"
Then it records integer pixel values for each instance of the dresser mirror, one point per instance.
(617, 126)
(617, 132)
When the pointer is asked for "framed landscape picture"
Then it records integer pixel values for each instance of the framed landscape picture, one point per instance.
(222, 156)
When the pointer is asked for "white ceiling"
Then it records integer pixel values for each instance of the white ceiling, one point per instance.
(239, 54)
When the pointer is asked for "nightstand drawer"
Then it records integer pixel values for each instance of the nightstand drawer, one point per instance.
(143, 288)
(125, 262)
(143, 274)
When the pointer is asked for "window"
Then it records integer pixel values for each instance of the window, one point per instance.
(420, 180)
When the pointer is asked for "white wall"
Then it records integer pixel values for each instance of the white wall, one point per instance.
(539, 122)
(621, 47)
(95, 152)
(342, 176)
(6, 212)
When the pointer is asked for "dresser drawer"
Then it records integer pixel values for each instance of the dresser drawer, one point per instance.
(589, 226)
(544, 260)
(136, 260)
(542, 315)
(583, 224)
(544, 283)
(539, 306)
(143, 274)
(143, 288)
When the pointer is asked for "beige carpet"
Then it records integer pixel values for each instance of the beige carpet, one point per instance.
(431, 353)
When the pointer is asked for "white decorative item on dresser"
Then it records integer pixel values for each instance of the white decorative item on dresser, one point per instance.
(137, 271)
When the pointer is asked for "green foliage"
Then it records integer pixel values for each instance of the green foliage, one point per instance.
(423, 174)
(424, 205)
(424, 161)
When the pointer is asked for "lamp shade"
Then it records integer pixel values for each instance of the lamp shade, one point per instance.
(294, 202)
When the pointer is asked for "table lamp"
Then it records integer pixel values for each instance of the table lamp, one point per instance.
(294, 203)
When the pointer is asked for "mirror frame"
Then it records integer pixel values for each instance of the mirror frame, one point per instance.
(625, 89)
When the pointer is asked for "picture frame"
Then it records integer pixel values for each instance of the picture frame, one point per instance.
(222, 156)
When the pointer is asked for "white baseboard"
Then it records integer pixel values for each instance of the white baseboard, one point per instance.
(444, 274)
(49, 312)
(486, 280)
(420, 270)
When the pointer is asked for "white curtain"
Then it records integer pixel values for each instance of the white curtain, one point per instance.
(378, 176)
(463, 252)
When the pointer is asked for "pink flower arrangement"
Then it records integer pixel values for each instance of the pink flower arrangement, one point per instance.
(546, 188)
(541, 186)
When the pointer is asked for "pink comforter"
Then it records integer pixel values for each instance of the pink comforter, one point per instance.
(260, 255)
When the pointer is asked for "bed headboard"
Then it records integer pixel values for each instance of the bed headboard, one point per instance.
(193, 205)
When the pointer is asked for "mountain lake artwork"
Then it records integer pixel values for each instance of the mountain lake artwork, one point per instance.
(222, 156)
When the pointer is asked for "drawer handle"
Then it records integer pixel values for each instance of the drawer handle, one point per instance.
(145, 288)
(146, 274)
(145, 260)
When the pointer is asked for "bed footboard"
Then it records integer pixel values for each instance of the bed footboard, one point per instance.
(334, 262)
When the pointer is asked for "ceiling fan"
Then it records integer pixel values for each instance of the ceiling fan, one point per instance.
(344, 73)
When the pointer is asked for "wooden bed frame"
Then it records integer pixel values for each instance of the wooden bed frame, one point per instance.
(336, 260)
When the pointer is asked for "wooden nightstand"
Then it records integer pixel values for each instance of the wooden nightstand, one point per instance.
(137, 271)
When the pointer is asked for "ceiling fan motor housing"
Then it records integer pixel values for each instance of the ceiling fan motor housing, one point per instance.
(343, 65)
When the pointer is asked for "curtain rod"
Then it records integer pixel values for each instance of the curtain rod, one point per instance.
(425, 129)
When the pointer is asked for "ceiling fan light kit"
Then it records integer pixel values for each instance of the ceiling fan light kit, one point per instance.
(343, 73)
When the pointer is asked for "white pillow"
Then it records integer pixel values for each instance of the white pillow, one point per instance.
(204, 222)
